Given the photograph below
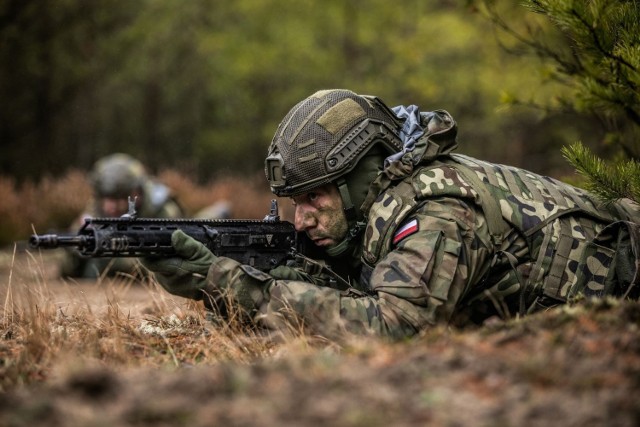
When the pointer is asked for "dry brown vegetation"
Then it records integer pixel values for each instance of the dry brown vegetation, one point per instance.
(249, 196)
(122, 352)
(50, 203)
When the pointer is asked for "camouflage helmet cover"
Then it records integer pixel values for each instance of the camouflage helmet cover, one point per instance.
(117, 176)
(324, 136)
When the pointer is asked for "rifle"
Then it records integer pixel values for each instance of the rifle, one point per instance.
(263, 244)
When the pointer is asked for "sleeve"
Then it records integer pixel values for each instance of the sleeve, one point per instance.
(417, 284)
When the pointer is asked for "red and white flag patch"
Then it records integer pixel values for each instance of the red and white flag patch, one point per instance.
(406, 230)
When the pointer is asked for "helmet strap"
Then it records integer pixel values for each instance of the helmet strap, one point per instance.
(355, 227)
(347, 204)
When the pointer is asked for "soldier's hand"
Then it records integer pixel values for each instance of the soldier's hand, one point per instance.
(284, 272)
(185, 274)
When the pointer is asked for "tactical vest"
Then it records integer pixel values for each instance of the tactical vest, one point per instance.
(557, 220)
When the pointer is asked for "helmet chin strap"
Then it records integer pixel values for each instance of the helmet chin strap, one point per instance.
(347, 205)
(355, 227)
(353, 201)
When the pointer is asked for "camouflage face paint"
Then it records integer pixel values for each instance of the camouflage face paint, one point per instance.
(319, 213)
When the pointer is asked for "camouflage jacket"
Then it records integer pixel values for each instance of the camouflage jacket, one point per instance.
(453, 239)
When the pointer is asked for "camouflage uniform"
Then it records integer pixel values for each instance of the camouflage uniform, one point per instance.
(118, 175)
(452, 239)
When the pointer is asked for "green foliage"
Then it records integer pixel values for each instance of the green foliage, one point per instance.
(604, 58)
(610, 182)
(592, 49)
(200, 86)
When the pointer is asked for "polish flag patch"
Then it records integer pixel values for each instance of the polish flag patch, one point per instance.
(406, 230)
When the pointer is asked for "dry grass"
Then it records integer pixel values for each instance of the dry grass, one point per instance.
(50, 203)
(49, 326)
(122, 352)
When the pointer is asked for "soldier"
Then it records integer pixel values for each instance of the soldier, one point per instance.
(422, 235)
(114, 179)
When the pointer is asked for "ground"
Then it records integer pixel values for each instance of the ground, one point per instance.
(570, 366)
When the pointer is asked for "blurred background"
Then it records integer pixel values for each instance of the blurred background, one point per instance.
(195, 89)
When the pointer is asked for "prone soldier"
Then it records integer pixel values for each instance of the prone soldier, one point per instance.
(114, 179)
(423, 235)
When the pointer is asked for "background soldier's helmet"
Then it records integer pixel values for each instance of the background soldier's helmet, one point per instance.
(117, 176)
(324, 137)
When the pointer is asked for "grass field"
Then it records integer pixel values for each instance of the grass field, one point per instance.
(122, 352)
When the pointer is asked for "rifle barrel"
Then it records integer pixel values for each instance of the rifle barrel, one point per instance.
(52, 241)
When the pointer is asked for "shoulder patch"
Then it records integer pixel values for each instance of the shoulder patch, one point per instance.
(407, 229)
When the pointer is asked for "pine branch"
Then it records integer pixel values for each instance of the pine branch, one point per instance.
(606, 182)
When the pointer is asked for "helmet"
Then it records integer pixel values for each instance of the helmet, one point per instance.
(324, 137)
(117, 175)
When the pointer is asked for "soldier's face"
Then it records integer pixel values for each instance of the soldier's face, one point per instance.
(111, 207)
(117, 206)
(319, 214)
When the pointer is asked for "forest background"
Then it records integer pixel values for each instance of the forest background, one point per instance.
(198, 88)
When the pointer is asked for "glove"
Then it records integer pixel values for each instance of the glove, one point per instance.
(283, 272)
(184, 275)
